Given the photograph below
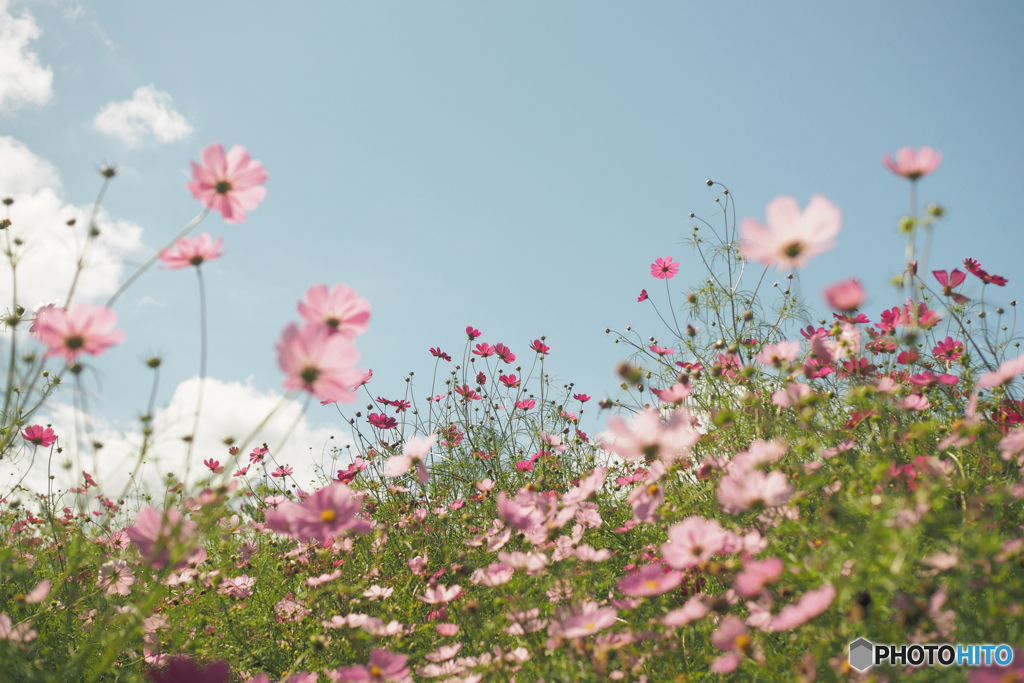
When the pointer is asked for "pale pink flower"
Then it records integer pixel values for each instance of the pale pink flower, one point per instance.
(447, 630)
(846, 295)
(739, 492)
(645, 501)
(231, 184)
(675, 394)
(341, 309)
(445, 653)
(696, 540)
(914, 402)
(383, 666)
(694, 610)
(587, 619)
(650, 580)
(587, 553)
(755, 575)
(315, 581)
(157, 534)
(22, 633)
(587, 486)
(792, 394)
(1006, 372)
(115, 578)
(811, 604)
(887, 385)
(39, 593)
(485, 485)
(532, 563)
(1011, 444)
(650, 438)
(496, 574)
(83, 328)
(376, 592)
(730, 634)
(440, 594)
(791, 236)
(911, 164)
(237, 587)
(191, 252)
(377, 627)
(316, 359)
(415, 452)
(759, 453)
(323, 515)
(418, 564)
(779, 354)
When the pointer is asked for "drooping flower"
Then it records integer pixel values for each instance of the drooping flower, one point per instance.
(231, 184)
(791, 236)
(381, 421)
(913, 165)
(115, 578)
(643, 296)
(949, 282)
(39, 435)
(82, 328)
(190, 251)
(323, 515)
(846, 295)
(438, 353)
(157, 534)
(975, 269)
(316, 359)
(664, 268)
(341, 309)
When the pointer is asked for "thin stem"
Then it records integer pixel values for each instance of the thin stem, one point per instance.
(88, 238)
(202, 368)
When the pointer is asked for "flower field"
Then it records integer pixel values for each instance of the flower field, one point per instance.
(766, 485)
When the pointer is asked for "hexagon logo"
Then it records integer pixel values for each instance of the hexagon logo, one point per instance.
(862, 654)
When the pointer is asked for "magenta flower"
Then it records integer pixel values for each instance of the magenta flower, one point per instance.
(438, 353)
(231, 184)
(39, 435)
(323, 515)
(504, 354)
(791, 236)
(755, 575)
(919, 316)
(341, 309)
(382, 421)
(214, 466)
(283, 471)
(951, 281)
(913, 165)
(472, 332)
(484, 350)
(664, 268)
(811, 604)
(191, 252)
(83, 328)
(510, 381)
(525, 404)
(846, 295)
(466, 393)
(383, 666)
(643, 296)
(974, 268)
(157, 534)
(650, 580)
(182, 668)
(316, 359)
(582, 398)
(540, 347)
(696, 540)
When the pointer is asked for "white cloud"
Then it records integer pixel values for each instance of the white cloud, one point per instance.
(49, 253)
(148, 112)
(23, 80)
(229, 409)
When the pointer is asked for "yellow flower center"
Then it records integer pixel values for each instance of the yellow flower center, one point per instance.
(327, 515)
(652, 489)
(651, 583)
(375, 671)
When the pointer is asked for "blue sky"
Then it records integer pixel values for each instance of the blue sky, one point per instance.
(516, 166)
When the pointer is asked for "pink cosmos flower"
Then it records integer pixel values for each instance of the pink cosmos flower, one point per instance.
(950, 282)
(39, 435)
(214, 466)
(913, 165)
(22, 633)
(495, 574)
(649, 438)
(650, 580)
(1006, 372)
(694, 610)
(525, 404)
(510, 381)
(241, 472)
(779, 354)
(643, 296)
(383, 666)
(791, 236)
(731, 636)
(504, 354)
(540, 347)
(440, 594)
(323, 515)
(316, 359)
(231, 184)
(382, 421)
(811, 604)
(974, 268)
(755, 575)
(588, 618)
(115, 578)
(914, 402)
(183, 668)
(484, 350)
(675, 394)
(83, 328)
(742, 491)
(447, 630)
(237, 587)
(438, 353)
(416, 450)
(192, 252)
(39, 593)
(846, 295)
(283, 471)
(341, 309)
(792, 394)
(696, 540)
(664, 268)
(156, 534)
(919, 316)
(662, 351)
(472, 332)
(948, 349)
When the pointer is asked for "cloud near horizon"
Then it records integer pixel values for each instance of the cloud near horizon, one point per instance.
(148, 113)
(23, 80)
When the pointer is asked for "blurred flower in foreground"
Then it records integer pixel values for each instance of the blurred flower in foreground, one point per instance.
(791, 236)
